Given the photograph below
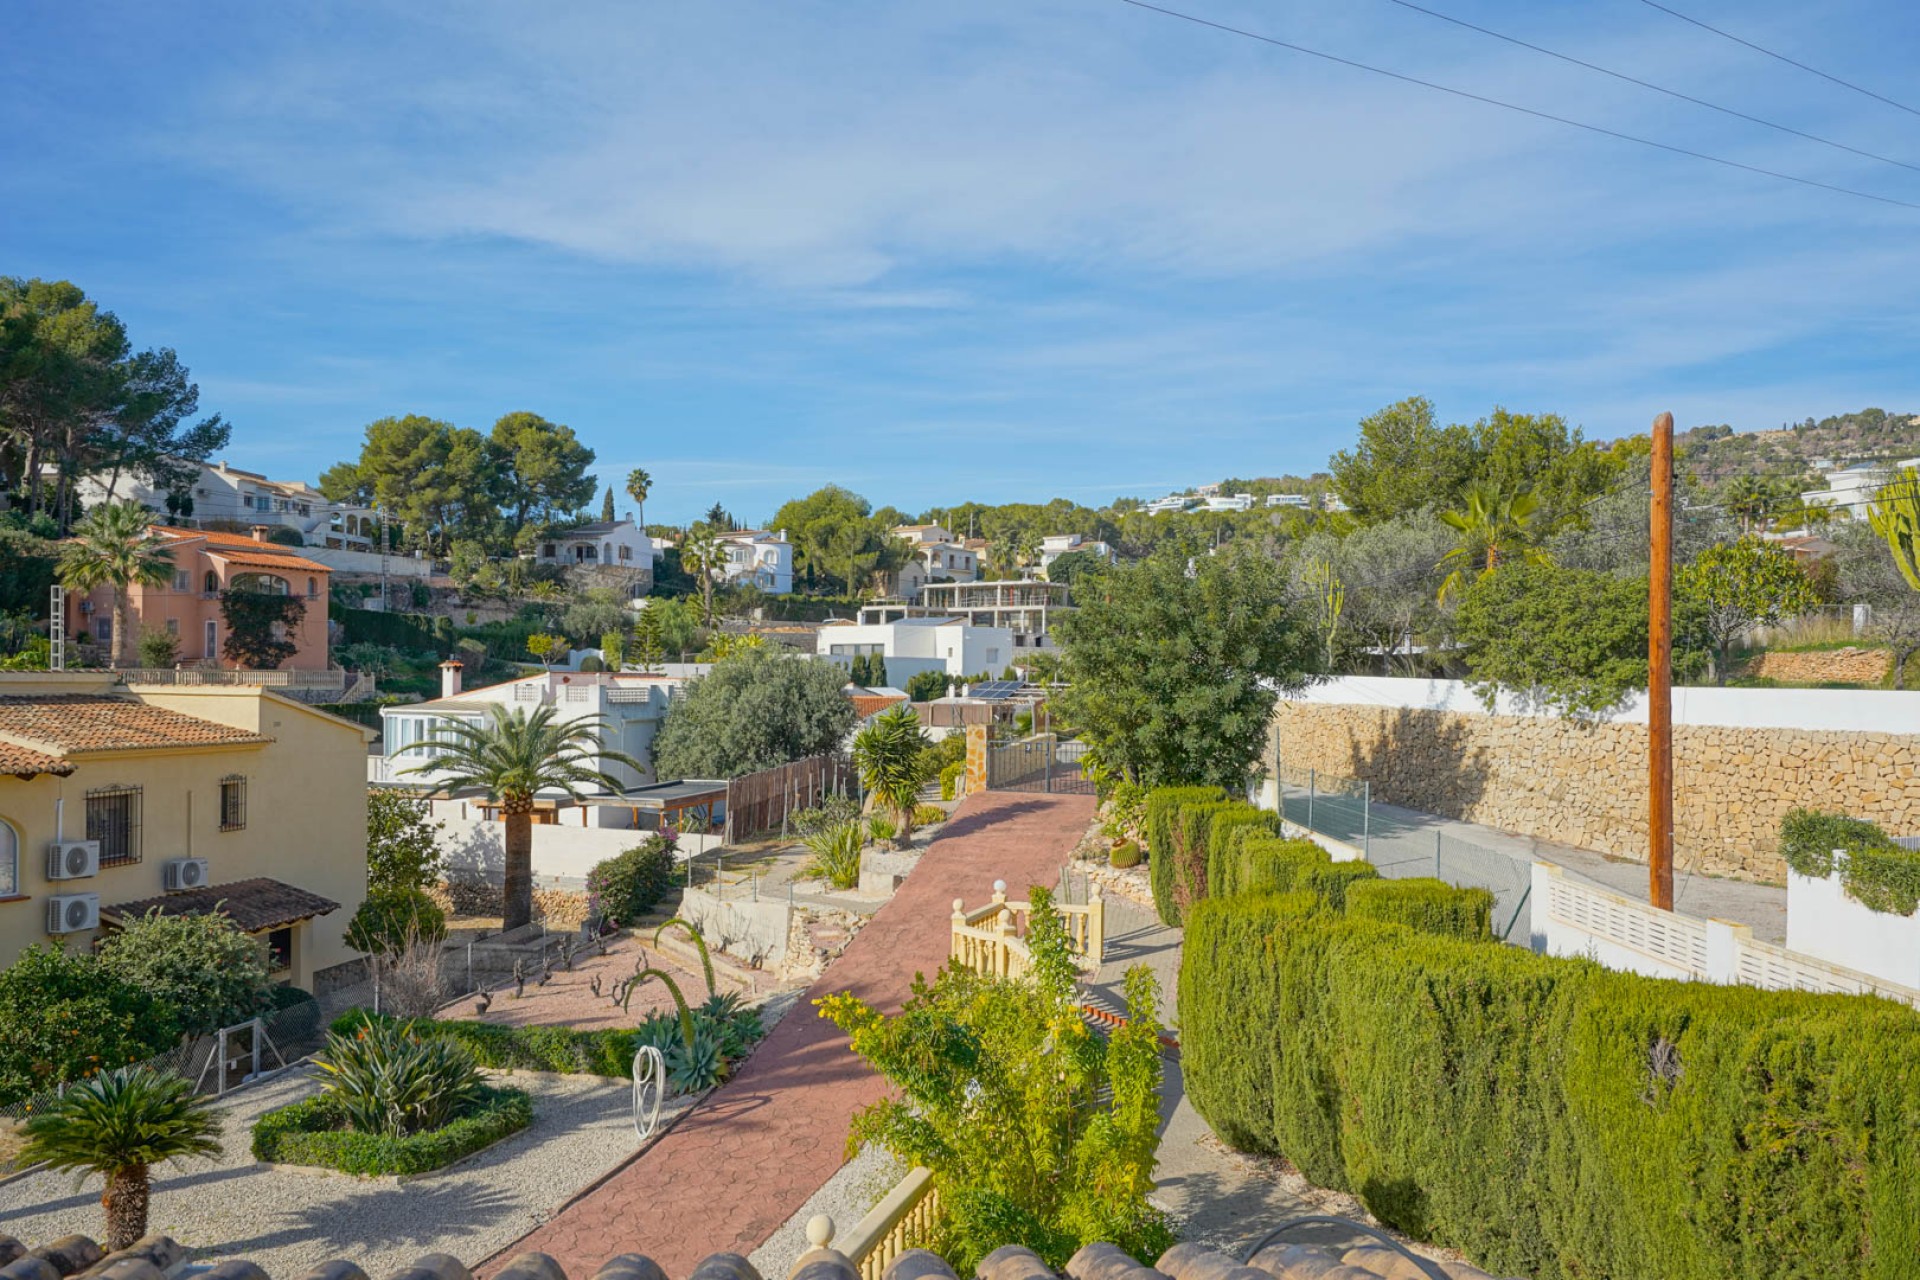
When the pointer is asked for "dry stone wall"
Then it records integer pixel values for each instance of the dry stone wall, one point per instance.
(1585, 785)
(1851, 665)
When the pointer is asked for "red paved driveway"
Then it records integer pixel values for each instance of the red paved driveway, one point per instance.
(745, 1161)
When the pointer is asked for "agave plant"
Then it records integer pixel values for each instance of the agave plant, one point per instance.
(836, 854)
(386, 1079)
(692, 931)
(698, 1063)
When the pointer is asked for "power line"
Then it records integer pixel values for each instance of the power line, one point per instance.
(1728, 35)
(1525, 111)
(1657, 88)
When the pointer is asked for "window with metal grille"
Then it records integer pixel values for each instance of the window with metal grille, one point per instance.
(233, 803)
(113, 818)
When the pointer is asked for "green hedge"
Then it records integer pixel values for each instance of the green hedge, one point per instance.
(309, 1132)
(1429, 906)
(1549, 1117)
(1268, 864)
(1879, 874)
(562, 1050)
(1165, 805)
(408, 632)
(1231, 828)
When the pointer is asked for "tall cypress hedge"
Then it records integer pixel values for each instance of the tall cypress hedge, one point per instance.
(1166, 807)
(1232, 827)
(1550, 1117)
(1430, 906)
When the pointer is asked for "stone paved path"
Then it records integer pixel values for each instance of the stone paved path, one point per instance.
(737, 1168)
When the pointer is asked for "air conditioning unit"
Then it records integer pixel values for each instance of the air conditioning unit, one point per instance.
(185, 873)
(73, 859)
(73, 912)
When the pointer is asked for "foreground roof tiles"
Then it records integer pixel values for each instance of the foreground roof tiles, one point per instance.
(155, 1256)
(64, 722)
(252, 905)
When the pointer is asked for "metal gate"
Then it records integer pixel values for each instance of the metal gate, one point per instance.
(1043, 763)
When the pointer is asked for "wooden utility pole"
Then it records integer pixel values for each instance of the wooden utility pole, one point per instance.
(1660, 672)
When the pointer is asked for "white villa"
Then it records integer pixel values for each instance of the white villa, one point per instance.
(910, 646)
(1056, 545)
(763, 559)
(224, 494)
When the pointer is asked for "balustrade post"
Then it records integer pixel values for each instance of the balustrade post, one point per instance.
(958, 949)
(1096, 925)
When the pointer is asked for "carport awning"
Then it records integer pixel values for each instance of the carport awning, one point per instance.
(254, 906)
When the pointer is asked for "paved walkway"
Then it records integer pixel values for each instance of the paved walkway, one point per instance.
(1406, 842)
(737, 1168)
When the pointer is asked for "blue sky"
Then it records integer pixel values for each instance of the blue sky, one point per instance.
(936, 251)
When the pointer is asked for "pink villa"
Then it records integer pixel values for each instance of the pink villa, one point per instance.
(205, 564)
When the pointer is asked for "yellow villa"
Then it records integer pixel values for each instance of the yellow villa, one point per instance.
(118, 799)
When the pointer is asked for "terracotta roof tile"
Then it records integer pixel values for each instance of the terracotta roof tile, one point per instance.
(257, 558)
(252, 905)
(67, 722)
(872, 704)
(25, 762)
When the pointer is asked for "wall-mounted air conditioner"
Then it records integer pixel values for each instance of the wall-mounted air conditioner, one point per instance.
(185, 873)
(73, 912)
(73, 859)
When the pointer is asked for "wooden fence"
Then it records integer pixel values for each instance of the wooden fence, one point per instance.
(764, 801)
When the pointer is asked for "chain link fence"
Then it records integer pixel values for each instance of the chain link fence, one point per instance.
(220, 1062)
(1402, 845)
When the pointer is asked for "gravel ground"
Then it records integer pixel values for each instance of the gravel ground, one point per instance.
(860, 1184)
(288, 1221)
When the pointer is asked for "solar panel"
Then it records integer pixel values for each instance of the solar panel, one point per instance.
(997, 689)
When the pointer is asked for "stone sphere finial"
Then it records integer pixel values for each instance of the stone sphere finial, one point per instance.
(820, 1231)
(999, 886)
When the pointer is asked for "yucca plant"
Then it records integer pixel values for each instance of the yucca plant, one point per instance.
(836, 854)
(891, 756)
(387, 1079)
(119, 1124)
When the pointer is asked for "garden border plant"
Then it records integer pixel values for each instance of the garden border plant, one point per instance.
(309, 1132)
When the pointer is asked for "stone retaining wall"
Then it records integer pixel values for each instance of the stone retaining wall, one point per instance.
(1586, 785)
(1851, 665)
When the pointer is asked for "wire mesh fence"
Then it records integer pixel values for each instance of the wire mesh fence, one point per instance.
(1402, 845)
(219, 1062)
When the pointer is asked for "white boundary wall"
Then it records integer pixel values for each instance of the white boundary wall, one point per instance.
(1823, 921)
(344, 561)
(1571, 918)
(562, 856)
(1843, 710)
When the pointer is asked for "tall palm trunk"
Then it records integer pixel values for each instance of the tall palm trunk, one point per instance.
(118, 655)
(516, 812)
(125, 1200)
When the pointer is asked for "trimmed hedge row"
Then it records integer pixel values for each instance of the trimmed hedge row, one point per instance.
(1164, 806)
(562, 1050)
(1545, 1115)
(310, 1132)
(1425, 905)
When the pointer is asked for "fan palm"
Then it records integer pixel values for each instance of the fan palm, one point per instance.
(639, 485)
(704, 555)
(115, 547)
(513, 755)
(118, 1125)
(1495, 526)
(891, 755)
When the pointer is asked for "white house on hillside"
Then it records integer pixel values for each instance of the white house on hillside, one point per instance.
(223, 494)
(758, 557)
(1056, 545)
(912, 645)
(1851, 490)
(618, 545)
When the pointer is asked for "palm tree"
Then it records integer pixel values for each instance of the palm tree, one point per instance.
(512, 756)
(117, 1125)
(703, 554)
(890, 754)
(639, 484)
(1494, 526)
(115, 547)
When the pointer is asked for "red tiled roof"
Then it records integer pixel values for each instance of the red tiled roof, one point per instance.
(259, 558)
(69, 722)
(872, 704)
(24, 762)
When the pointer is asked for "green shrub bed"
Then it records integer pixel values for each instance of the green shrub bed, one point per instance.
(1879, 874)
(562, 1050)
(312, 1132)
(1544, 1115)
(1166, 806)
